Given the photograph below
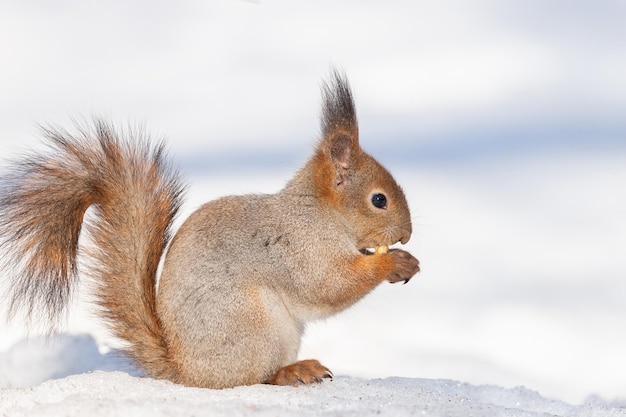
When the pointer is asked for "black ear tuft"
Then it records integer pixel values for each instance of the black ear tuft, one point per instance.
(338, 112)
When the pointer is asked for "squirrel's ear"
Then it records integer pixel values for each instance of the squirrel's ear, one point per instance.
(342, 151)
(339, 126)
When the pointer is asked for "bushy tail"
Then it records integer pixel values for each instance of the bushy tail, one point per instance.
(135, 196)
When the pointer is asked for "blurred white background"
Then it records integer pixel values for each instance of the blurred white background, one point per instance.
(504, 122)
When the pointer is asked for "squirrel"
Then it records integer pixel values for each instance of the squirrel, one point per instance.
(224, 301)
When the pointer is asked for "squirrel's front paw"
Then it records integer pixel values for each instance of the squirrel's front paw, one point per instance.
(304, 372)
(406, 265)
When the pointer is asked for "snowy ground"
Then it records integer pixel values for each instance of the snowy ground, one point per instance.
(118, 394)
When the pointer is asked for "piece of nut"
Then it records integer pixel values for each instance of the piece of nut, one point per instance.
(382, 249)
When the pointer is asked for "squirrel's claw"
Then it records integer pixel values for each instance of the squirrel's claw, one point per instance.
(307, 371)
(406, 266)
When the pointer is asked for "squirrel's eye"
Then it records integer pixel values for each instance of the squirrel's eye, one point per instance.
(379, 201)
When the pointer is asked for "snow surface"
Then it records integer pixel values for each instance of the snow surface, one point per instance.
(116, 393)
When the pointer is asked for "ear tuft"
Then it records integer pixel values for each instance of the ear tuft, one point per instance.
(338, 111)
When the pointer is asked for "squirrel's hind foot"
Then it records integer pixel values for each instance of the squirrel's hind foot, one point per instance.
(303, 372)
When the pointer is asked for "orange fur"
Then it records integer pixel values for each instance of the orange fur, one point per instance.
(303, 372)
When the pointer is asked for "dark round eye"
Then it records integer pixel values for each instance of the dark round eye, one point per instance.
(379, 201)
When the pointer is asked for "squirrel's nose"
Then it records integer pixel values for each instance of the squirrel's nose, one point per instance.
(406, 231)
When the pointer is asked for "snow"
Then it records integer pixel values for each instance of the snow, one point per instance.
(114, 393)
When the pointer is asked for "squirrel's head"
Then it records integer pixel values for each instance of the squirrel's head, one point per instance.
(353, 182)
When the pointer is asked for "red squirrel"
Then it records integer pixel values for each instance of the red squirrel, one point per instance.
(242, 275)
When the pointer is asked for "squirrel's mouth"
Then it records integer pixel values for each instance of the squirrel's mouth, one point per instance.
(379, 243)
(378, 250)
